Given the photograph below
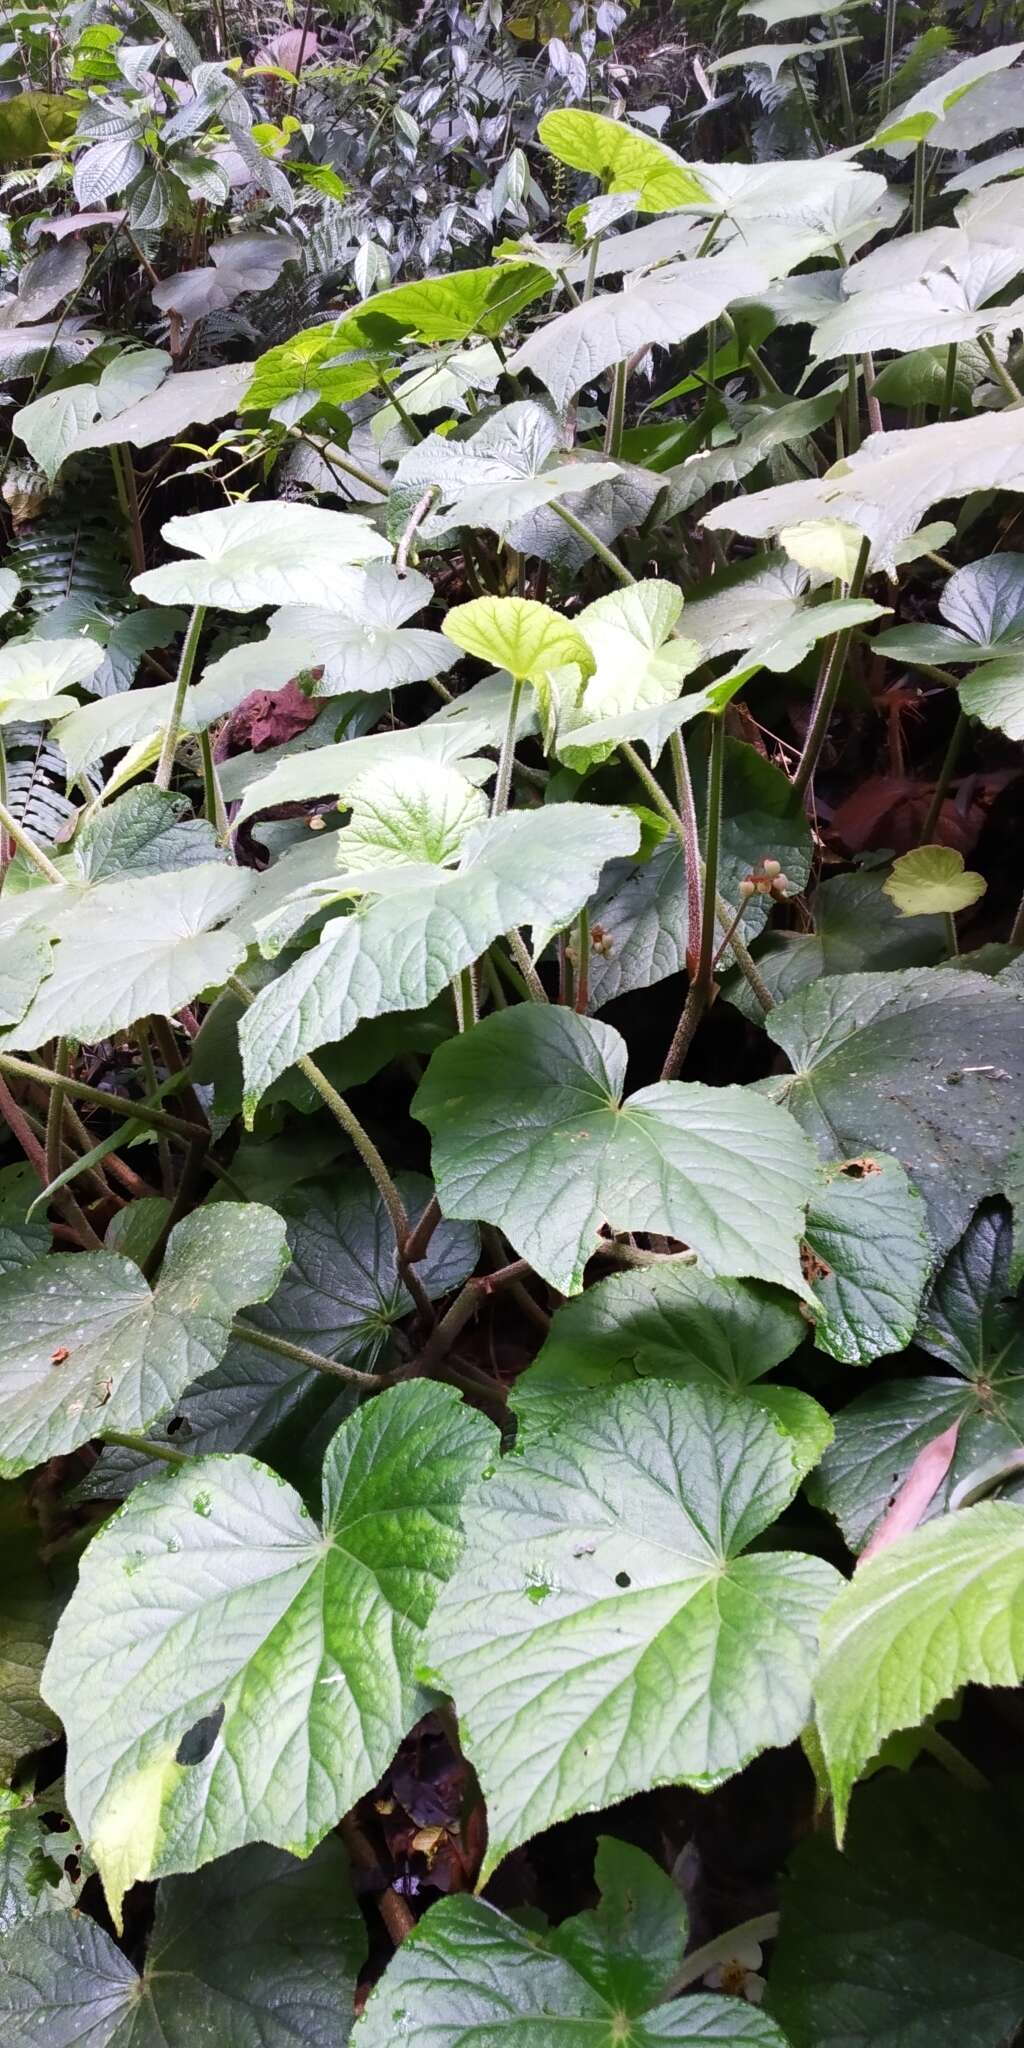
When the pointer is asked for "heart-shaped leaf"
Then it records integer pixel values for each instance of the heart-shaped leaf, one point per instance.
(262, 1942)
(259, 1634)
(530, 1132)
(932, 881)
(87, 1345)
(600, 1557)
(251, 555)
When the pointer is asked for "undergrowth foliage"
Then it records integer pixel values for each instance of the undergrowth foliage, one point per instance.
(511, 1375)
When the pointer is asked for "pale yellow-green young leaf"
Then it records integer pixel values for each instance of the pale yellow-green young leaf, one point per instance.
(828, 547)
(517, 633)
(623, 159)
(932, 880)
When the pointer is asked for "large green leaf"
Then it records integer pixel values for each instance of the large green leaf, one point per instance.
(139, 947)
(658, 310)
(189, 398)
(910, 1938)
(87, 1345)
(673, 1323)
(888, 486)
(331, 770)
(868, 1229)
(411, 814)
(34, 672)
(468, 1975)
(360, 641)
(983, 605)
(938, 1609)
(23, 1239)
(530, 1132)
(278, 1660)
(506, 470)
(926, 1065)
(424, 924)
(978, 1333)
(765, 430)
(340, 1295)
(995, 694)
(603, 1634)
(40, 1858)
(516, 633)
(623, 158)
(915, 121)
(30, 1601)
(662, 1322)
(251, 555)
(262, 1952)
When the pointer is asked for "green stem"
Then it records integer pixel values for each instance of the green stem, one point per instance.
(344, 463)
(917, 204)
(812, 119)
(952, 943)
(300, 1354)
(852, 406)
(503, 780)
(699, 992)
(467, 1004)
(887, 55)
(583, 961)
(535, 988)
(844, 94)
(214, 807)
(616, 411)
(1000, 371)
(145, 1446)
(587, 534)
(55, 1115)
(162, 778)
(945, 777)
(366, 1149)
(32, 852)
(121, 1105)
(764, 1927)
(591, 277)
(949, 385)
(725, 911)
(748, 353)
(691, 855)
(953, 1760)
(829, 684)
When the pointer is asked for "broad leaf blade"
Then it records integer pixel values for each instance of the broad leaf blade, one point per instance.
(260, 1637)
(600, 1557)
(530, 1133)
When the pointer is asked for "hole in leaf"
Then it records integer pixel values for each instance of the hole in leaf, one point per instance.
(859, 1169)
(197, 1742)
(623, 1579)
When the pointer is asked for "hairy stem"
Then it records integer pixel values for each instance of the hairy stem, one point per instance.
(145, 1446)
(24, 840)
(162, 778)
(367, 1151)
(506, 758)
(699, 993)
(300, 1354)
(945, 777)
(829, 684)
